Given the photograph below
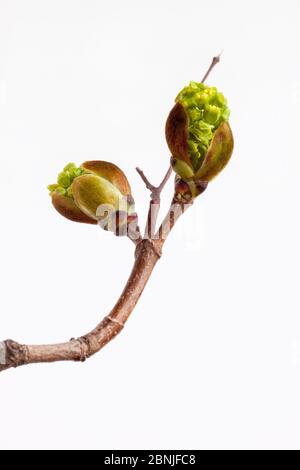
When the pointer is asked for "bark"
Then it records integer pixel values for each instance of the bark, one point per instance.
(13, 354)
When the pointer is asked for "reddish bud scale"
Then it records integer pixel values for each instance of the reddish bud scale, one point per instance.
(183, 192)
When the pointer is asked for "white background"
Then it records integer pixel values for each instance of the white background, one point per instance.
(211, 355)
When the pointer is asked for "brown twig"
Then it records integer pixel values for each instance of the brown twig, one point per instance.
(134, 234)
(154, 202)
(13, 354)
(176, 210)
(214, 62)
(148, 252)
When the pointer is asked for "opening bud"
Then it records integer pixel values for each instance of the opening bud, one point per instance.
(95, 192)
(198, 133)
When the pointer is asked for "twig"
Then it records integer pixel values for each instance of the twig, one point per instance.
(133, 232)
(13, 354)
(154, 202)
(134, 235)
(155, 190)
(176, 210)
(148, 252)
(214, 62)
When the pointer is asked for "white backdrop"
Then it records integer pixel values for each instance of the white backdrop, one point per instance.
(211, 356)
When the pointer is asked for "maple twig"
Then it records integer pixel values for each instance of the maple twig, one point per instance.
(148, 252)
(13, 354)
(154, 201)
(214, 62)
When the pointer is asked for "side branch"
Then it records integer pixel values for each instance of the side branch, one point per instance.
(148, 252)
(154, 202)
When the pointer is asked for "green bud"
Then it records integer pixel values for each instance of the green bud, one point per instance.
(52, 187)
(64, 179)
(81, 192)
(212, 114)
(92, 191)
(198, 133)
(70, 166)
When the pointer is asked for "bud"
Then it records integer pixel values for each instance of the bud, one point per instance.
(198, 133)
(183, 191)
(94, 193)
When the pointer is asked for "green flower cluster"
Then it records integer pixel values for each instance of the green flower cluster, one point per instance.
(65, 180)
(206, 109)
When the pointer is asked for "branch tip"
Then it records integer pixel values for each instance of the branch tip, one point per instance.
(155, 190)
(215, 61)
(155, 200)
